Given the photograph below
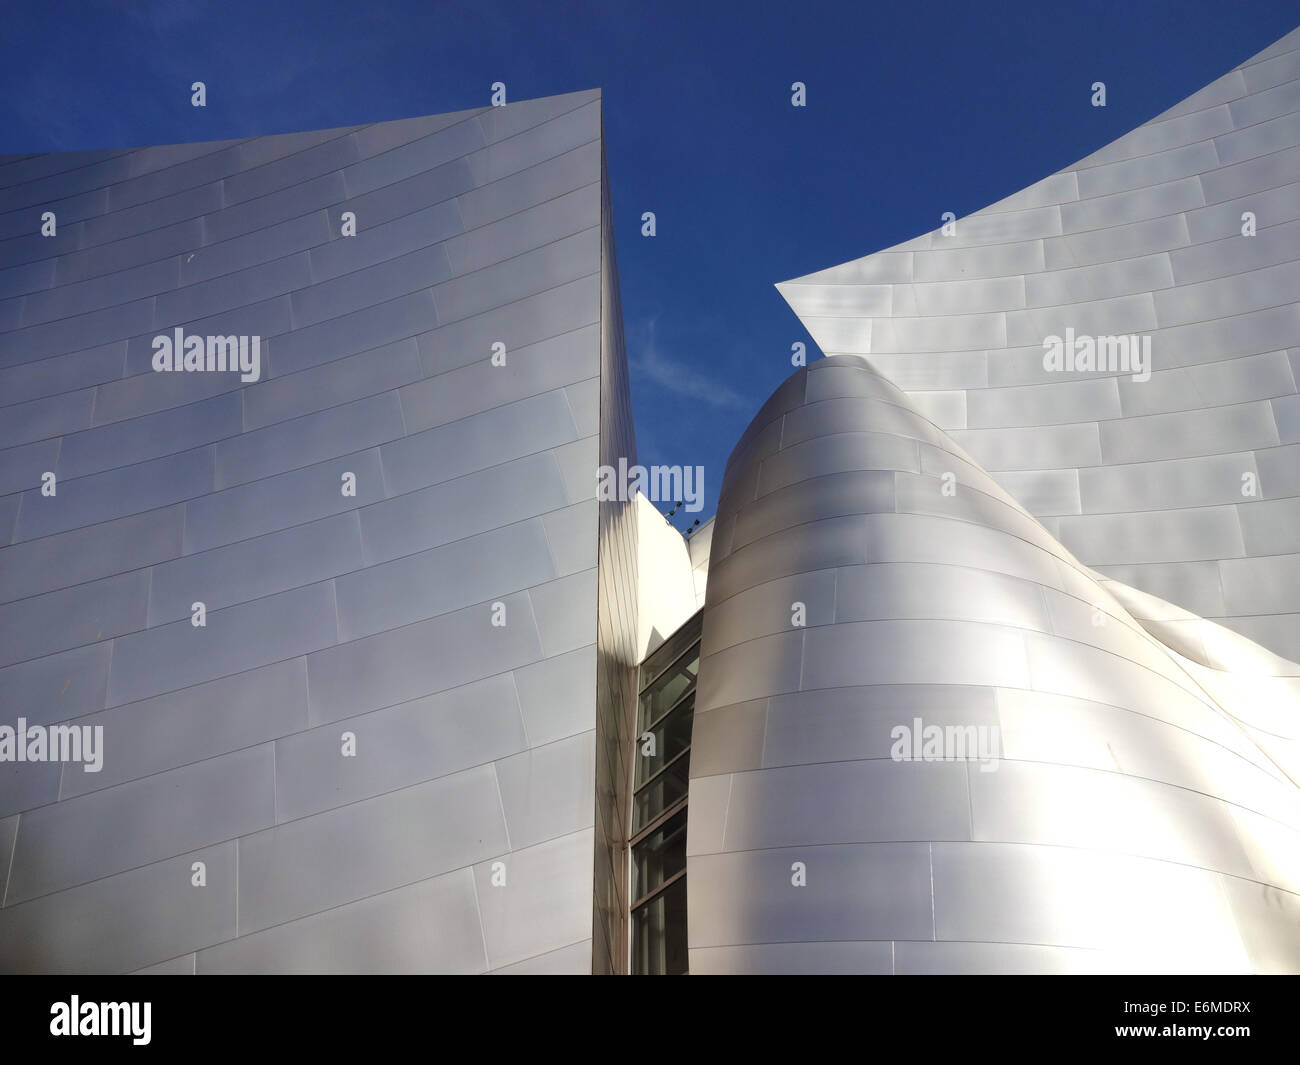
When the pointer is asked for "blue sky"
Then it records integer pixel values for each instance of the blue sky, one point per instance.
(913, 109)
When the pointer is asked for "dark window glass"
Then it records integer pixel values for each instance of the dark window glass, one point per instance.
(659, 934)
(668, 652)
(665, 709)
(660, 793)
(670, 686)
(658, 857)
(672, 735)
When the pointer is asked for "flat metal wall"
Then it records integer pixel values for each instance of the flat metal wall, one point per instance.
(326, 614)
(618, 651)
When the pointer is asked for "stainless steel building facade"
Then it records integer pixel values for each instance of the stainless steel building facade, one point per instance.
(934, 534)
(382, 743)
(1141, 477)
(362, 644)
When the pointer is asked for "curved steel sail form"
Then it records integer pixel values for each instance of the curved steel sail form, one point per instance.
(929, 739)
(318, 645)
(998, 659)
(1118, 345)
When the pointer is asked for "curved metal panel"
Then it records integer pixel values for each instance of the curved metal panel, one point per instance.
(928, 738)
(1181, 234)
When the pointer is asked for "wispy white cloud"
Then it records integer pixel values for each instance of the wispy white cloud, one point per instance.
(647, 360)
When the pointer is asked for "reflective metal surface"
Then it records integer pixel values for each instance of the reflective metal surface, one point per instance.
(876, 584)
(1135, 808)
(1156, 482)
(1111, 779)
(460, 835)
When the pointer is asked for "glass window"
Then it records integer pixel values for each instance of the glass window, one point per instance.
(670, 686)
(670, 650)
(659, 933)
(660, 793)
(659, 857)
(672, 735)
(657, 877)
